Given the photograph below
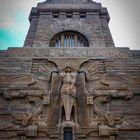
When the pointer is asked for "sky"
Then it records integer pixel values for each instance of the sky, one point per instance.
(124, 23)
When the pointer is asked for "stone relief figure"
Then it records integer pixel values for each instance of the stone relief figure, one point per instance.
(34, 115)
(68, 91)
(102, 88)
(105, 96)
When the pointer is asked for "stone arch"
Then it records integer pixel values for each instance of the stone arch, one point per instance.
(75, 39)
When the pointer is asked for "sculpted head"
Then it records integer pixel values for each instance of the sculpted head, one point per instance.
(68, 69)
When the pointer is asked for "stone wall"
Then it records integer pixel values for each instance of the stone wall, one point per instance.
(107, 97)
(93, 91)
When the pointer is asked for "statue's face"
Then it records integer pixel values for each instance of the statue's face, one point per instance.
(68, 69)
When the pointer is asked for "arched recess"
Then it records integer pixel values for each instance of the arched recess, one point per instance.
(69, 39)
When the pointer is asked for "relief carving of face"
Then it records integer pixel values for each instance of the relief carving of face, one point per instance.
(68, 69)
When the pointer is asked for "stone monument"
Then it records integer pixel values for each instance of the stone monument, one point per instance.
(69, 81)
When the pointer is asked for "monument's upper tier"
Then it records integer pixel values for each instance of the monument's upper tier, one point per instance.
(70, 5)
(69, 1)
(55, 21)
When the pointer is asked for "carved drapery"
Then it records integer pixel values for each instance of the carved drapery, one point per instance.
(68, 91)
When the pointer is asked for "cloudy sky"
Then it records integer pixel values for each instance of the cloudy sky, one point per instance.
(124, 23)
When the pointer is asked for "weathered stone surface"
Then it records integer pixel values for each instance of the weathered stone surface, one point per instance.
(97, 99)
(87, 52)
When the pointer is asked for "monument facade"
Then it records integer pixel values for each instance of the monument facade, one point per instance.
(69, 81)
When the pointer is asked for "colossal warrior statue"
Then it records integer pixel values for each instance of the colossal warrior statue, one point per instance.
(68, 91)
